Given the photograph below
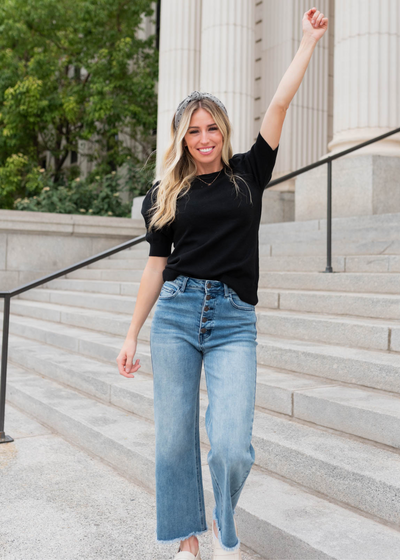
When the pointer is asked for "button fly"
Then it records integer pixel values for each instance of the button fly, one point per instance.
(208, 312)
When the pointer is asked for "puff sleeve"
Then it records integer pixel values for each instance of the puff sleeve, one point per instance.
(160, 239)
(259, 161)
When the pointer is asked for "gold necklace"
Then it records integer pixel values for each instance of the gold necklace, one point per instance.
(209, 184)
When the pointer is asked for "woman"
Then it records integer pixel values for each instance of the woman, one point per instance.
(208, 203)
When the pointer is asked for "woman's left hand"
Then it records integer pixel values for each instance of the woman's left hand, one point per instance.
(314, 24)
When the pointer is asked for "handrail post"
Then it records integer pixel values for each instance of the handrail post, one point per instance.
(3, 379)
(329, 220)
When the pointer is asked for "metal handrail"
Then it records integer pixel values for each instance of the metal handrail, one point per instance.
(76, 266)
(6, 315)
(9, 294)
(328, 160)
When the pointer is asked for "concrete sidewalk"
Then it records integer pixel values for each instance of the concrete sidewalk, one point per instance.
(59, 503)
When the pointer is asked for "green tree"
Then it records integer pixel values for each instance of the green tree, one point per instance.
(72, 70)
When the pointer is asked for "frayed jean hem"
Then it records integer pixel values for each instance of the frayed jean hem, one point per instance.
(183, 538)
(228, 549)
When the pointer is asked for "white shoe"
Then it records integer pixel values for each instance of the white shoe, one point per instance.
(186, 555)
(220, 554)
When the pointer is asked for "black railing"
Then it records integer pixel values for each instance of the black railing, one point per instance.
(6, 315)
(328, 160)
(8, 295)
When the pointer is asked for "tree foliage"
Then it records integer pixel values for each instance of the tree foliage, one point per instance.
(72, 70)
(98, 195)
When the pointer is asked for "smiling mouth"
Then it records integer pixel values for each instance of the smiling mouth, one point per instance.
(206, 151)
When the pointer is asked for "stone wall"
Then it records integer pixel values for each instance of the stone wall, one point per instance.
(32, 244)
(361, 185)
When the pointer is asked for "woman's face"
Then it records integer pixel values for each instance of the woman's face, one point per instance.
(204, 141)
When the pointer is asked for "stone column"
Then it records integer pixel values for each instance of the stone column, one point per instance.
(367, 69)
(366, 104)
(305, 131)
(227, 62)
(179, 62)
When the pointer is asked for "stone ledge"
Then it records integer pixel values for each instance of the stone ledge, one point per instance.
(32, 244)
(68, 224)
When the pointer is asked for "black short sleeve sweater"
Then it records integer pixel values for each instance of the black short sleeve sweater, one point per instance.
(215, 231)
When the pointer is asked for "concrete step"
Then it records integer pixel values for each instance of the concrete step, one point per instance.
(379, 306)
(141, 250)
(121, 270)
(89, 343)
(110, 322)
(86, 300)
(347, 228)
(387, 232)
(96, 286)
(278, 519)
(378, 334)
(364, 368)
(357, 263)
(121, 263)
(108, 274)
(344, 282)
(347, 331)
(353, 282)
(349, 224)
(373, 334)
(119, 303)
(371, 415)
(306, 247)
(350, 472)
(371, 263)
(367, 368)
(275, 389)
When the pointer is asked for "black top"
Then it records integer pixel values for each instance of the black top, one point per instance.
(215, 232)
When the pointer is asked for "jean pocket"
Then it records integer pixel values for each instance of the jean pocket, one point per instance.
(169, 290)
(238, 303)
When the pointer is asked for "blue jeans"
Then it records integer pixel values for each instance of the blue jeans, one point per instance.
(197, 319)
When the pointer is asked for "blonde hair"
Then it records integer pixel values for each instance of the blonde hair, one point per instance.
(179, 167)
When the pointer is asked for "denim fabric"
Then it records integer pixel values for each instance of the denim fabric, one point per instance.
(196, 319)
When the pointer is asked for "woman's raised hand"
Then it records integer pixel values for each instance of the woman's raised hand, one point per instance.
(125, 359)
(314, 24)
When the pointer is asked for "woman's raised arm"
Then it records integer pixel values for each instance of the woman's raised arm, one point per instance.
(314, 26)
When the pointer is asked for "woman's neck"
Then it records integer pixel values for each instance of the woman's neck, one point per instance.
(212, 167)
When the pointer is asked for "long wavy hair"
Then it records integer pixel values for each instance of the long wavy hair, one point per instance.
(179, 168)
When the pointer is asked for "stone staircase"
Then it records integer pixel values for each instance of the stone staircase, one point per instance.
(326, 482)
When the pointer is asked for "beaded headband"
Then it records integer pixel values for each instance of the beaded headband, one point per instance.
(196, 95)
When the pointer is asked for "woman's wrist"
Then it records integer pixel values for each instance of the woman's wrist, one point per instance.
(308, 40)
(133, 334)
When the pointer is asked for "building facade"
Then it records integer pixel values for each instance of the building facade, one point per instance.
(240, 49)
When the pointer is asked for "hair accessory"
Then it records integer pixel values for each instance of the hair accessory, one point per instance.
(196, 95)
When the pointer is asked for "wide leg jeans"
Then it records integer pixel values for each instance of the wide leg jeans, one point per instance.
(195, 320)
